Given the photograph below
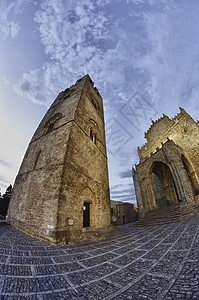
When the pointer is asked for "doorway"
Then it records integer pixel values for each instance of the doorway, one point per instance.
(164, 187)
(86, 214)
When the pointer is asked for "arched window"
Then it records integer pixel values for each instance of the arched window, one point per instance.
(51, 124)
(94, 132)
(50, 127)
(94, 138)
(93, 135)
(94, 104)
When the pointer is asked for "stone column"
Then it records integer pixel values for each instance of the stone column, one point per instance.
(147, 195)
(138, 193)
(183, 184)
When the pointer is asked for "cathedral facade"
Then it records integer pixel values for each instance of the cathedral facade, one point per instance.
(168, 171)
(61, 192)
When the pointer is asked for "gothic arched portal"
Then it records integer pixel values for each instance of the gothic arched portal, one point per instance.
(163, 185)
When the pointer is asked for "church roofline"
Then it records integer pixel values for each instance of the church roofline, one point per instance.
(155, 122)
(168, 140)
(178, 116)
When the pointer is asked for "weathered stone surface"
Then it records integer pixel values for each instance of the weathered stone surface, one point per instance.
(168, 171)
(134, 262)
(65, 166)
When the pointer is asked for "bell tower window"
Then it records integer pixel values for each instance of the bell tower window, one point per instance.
(92, 135)
(94, 138)
(50, 128)
(94, 104)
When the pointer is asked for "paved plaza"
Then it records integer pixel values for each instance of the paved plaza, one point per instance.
(135, 262)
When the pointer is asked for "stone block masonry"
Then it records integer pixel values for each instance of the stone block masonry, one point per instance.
(168, 171)
(61, 192)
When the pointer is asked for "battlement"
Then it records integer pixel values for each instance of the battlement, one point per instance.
(162, 123)
(168, 140)
(165, 127)
(160, 126)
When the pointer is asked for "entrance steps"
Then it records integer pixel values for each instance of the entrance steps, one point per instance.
(2, 220)
(96, 235)
(169, 214)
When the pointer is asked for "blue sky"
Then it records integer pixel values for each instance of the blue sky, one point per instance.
(143, 56)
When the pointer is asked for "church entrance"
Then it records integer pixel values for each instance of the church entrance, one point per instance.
(86, 214)
(163, 185)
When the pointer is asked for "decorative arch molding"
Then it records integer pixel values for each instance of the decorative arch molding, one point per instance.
(154, 161)
(87, 204)
(96, 103)
(87, 191)
(94, 131)
(164, 185)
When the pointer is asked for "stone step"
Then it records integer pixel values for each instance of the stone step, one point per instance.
(173, 209)
(170, 214)
(95, 235)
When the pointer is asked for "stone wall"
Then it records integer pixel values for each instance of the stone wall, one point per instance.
(63, 168)
(174, 145)
(159, 191)
(183, 130)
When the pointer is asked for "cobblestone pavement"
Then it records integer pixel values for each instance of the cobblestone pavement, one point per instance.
(154, 262)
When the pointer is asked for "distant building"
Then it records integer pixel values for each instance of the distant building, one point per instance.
(123, 213)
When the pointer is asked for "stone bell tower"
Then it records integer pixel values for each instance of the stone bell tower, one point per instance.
(61, 192)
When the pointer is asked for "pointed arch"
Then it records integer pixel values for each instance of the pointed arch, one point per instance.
(163, 184)
(94, 131)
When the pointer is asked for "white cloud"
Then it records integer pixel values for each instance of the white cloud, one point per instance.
(41, 85)
(70, 35)
(6, 82)
(9, 26)
(126, 47)
(173, 59)
(82, 38)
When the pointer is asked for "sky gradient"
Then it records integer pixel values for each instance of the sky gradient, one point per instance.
(143, 56)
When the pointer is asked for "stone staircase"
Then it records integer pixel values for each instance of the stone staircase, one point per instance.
(2, 217)
(96, 235)
(3, 220)
(169, 214)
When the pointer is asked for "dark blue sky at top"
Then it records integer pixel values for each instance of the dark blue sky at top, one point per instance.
(143, 56)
